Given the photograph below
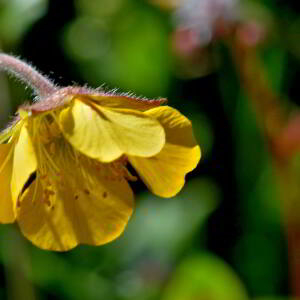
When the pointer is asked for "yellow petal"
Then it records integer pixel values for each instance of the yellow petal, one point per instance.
(24, 163)
(117, 101)
(5, 135)
(6, 205)
(105, 134)
(13, 128)
(164, 173)
(178, 128)
(83, 206)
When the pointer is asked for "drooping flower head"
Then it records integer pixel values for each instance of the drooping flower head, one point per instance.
(63, 162)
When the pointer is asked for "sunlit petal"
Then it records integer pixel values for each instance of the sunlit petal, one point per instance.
(88, 206)
(118, 101)
(164, 173)
(105, 134)
(6, 205)
(24, 163)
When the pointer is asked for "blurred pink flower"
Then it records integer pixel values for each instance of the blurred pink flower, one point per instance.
(203, 17)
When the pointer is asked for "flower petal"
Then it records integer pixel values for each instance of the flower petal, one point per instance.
(6, 205)
(105, 134)
(12, 129)
(81, 207)
(164, 173)
(24, 163)
(117, 101)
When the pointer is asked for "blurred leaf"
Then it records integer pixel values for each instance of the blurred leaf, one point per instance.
(293, 36)
(163, 227)
(257, 256)
(204, 134)
(275, 62)
(17, 15)
(99, 8)
(275, 298)
(94, 41)
(55, 274)
(204, 277)
(14, 255)
(261, 265)
(131, 52)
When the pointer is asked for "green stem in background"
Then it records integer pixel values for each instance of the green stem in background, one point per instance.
(274, 122)
(17, 265)
(40, 84)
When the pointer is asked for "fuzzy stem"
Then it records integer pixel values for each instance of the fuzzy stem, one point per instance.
(41, 85)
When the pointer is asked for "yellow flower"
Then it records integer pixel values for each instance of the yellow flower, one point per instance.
(63, 164)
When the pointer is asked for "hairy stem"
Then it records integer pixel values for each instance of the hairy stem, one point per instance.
(41, 85)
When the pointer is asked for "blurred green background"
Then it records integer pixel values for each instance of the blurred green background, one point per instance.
(222, 237)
